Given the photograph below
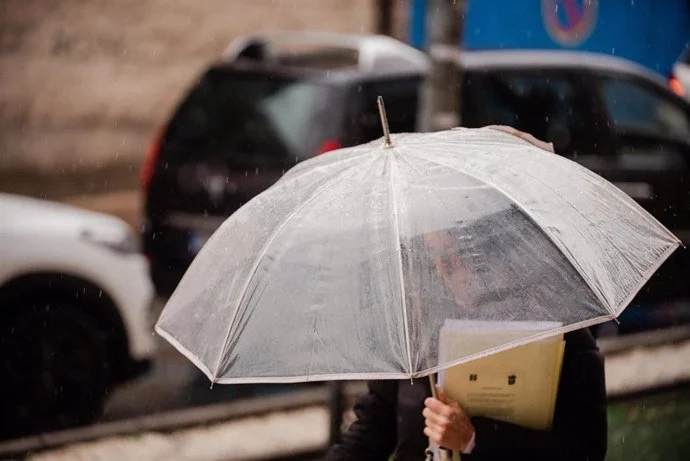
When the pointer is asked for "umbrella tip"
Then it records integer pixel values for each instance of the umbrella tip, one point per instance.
(384, 122)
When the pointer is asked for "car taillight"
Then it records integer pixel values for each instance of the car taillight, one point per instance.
(676, 86)
(149, 165)
(328, 145)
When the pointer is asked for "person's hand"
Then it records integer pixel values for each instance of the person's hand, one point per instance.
(446, 423)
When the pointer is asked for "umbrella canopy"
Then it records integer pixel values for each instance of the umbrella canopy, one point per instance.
(348, 267)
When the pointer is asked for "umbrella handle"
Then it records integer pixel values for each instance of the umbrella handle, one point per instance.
(432, 385)
(443, 453)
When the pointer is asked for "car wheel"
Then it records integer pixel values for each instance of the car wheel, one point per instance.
(53, 368)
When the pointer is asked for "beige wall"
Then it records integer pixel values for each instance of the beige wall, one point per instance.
(86, 82)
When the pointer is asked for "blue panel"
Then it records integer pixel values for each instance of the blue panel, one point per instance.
(417, 23)
(650, 32)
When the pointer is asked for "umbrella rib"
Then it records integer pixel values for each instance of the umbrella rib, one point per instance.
(257, 262)
(607, 238)
(609, 306)
(396, 226)
(621, 196)
(564, 250)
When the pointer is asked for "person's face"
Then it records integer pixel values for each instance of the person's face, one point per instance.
(445, 256)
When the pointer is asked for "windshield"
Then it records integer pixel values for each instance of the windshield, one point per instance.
(252, 120)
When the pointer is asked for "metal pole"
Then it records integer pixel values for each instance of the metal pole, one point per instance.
(384, 122)
(440, 94)
(384, 17)
(336, 410)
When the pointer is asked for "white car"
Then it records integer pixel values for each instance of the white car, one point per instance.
(75, 299)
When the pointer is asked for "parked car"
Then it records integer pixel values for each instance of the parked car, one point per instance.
(253, 115)
(257, 112)
(75, 300)
(680, 77)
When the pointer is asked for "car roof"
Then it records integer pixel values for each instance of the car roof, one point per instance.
(351, 56)
(550, 59)
(384, 57)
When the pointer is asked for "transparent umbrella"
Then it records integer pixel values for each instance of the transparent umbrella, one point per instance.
(348, 267)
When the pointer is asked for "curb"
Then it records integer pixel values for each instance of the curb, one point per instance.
(618, 344)
(675, 387)
(179, 419)
(168, 421)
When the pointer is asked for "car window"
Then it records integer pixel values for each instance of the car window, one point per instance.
(551, 107)
(638, 108)
(251, 120)
(401, 100)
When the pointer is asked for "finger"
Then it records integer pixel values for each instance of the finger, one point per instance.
(439, 407)
(435, 418)
(443, 397)
(432, 435)
(435, 428)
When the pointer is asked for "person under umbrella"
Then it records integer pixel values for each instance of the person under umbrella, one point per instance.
(399, 417)
(312, 280)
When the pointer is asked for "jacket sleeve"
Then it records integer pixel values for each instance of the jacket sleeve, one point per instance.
(579, 430)
(373, 435)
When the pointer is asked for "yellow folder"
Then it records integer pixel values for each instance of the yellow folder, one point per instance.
(518, 385)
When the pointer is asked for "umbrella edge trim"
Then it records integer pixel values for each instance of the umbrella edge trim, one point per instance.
(312, 378)
(378, 376)
(186, 352)
(518, 343)
(649, 273)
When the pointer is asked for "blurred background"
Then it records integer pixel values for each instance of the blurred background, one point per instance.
(130, 130)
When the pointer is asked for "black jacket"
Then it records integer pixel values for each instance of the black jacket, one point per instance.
(390, 419)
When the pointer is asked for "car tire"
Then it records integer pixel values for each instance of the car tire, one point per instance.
(53, 367)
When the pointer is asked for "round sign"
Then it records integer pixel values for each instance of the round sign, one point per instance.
(569, 22)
